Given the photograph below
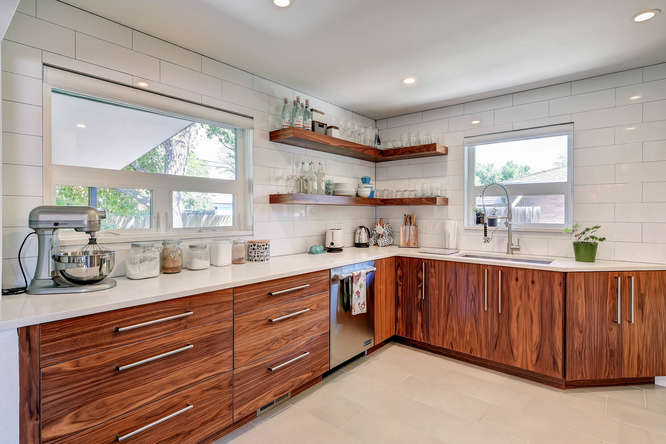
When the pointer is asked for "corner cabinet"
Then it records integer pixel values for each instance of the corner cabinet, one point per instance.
(411, 298)
(615, 326)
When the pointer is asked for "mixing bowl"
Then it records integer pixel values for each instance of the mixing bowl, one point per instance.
(85, 267)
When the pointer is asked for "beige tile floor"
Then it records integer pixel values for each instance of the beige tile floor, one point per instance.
(407, 396)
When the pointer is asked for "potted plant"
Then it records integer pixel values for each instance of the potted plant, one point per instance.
(586, 243)
(479, 215)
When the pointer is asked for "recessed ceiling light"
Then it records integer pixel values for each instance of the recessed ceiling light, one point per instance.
(475, 122)
(646, 15)
(142, 84)
(282, 3)
(636, 97)
(80, 125)
(409, 80)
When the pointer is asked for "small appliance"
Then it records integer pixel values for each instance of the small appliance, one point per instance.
(81, 271)
(334, 240)
(362, 237)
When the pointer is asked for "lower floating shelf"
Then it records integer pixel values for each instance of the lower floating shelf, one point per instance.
(323, 199)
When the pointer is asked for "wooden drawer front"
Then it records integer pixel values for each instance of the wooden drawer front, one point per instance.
(191, 415)
(87, 391)
(261, 333)
(252, 297)
(256, 385)
(72, 338)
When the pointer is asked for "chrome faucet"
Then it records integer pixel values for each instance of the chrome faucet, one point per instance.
(508, 220)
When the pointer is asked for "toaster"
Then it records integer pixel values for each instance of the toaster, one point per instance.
(334, 240)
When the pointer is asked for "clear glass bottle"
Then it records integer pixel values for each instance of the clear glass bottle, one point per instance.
(307, 116)
(321, 178)
(285, 116)
(292, 117)
(172, 256)
(143, 261)
(298, 114)
(311, 179)
(199, 257)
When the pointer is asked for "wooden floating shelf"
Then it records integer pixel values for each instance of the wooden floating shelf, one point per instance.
(322, 142)
(323, 199)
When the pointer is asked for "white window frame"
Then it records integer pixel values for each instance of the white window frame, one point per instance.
(566, 188)
(162, 185)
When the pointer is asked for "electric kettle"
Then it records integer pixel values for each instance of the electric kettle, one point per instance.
(362, 237)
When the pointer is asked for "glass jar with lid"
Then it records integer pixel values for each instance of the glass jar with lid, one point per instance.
(172, 256)
(143, 261)
(198, 257)
(239, 251)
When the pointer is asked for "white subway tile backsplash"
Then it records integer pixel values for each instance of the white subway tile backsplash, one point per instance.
(74, 18)
(26, 7)
(582, 102)
(540, 94)
(21, 118)
(608, 193)
(644, 92)
(587, 175)
(442, 113)
(654, 150)
(609, 117)
(602, 212)
(654, 111)
(488, 104)
(41, 34)
(654, 72)
(407, 119)
(166, 89)
(85, 67)
(185, 78)
(608, 155)
(607, 81)
(641, 132)
(467, 122)
(11, 242)
(640, 172)
(594, 137)
(166, 51)
(21, 59)
(227, 72)
(21, 180)
(522, 112)
(655, 192)
(15, 210)
(640, 212)
(21, 149)
(248, 97)
(19, 88)
(109, 55)
(654, 233)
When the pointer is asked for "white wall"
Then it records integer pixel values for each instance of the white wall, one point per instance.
(47, 31)
(619, 161)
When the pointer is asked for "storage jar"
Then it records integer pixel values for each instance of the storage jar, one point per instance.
(220, 253)
(258, 250)
(143, 261)
(172, 256)
(199, 257)
(239, 251)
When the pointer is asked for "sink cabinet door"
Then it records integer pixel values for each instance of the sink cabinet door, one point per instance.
(411, 299)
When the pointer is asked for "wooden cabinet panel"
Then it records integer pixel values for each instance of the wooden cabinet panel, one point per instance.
(256, 336)
(594, 339)
(255, 385)
(72, 338)
(264, 294)
(411, 300)
(383, 305)
(86, 391)
(643, 319)
(442, 299)
(193, 414)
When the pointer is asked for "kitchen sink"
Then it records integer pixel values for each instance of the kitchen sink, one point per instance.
(509, 259)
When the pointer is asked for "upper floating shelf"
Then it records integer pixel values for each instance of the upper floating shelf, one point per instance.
(321, 142)
(322, 199)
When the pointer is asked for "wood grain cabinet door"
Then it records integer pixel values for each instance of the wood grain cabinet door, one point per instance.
(383, 304)
(411, 299)
(643, 301)
(593, 335)
(443, 319)
(529, 308)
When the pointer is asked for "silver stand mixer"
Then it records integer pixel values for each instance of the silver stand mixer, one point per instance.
(81, 271)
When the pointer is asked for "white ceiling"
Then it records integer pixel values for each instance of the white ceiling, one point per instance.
(354, 53)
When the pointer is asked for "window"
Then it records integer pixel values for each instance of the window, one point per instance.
(535, 166)
(156, 164)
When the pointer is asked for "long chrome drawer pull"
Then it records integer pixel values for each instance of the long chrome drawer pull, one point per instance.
(153, 322)
(286, 363)
(290, 315)
(120, 438)
(289, 290)
(619, 300)
(499, 292)
(485, 290)
(120, 368)
(632, 300)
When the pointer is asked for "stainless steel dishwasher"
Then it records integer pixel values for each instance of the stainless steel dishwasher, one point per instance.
(350, 335)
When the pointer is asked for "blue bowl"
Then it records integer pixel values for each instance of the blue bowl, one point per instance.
(365, 180)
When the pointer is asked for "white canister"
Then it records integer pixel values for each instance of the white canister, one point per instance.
(199, 257)
(220, 253)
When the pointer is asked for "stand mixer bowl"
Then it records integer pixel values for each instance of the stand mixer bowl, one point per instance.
(85, 267)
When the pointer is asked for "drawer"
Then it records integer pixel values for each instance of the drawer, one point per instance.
(90, 390)
(72, 338)
(252, 297)
(256, 385)
(261, 333)
(188, 416)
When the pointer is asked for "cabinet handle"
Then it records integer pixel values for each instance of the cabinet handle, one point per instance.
(499, 292)
(619, 301)
(121, 438)
(286, 363)
(423, 280)
(120, 368)
(485, 290)
(632, 300)
(288, 290)
(290, 315)
(153, 322)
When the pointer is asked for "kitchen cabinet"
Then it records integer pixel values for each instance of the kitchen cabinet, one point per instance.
(615, 325)
(383, 305)
(411, 298)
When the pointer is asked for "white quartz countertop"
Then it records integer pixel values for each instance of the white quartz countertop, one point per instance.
(22, 310)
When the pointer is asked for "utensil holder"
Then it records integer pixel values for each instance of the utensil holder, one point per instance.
(258, 250)
(409, 236)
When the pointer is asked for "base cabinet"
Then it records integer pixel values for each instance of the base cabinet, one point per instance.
(411, 298)
(382, 308)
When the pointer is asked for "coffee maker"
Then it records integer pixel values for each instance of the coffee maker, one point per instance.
(84, 270)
